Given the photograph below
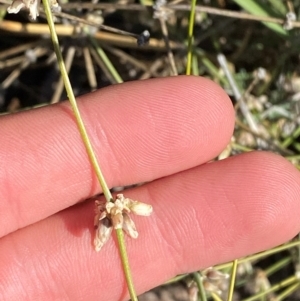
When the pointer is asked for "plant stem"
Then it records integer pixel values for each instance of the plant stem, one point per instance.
(125, 264)
(88, 145)
(190, 37)
(216, 297)
(261, 255)
(199, 280)
(288, 292)
(80, 124)
(105, 59)
(232, 280)
(289, 281)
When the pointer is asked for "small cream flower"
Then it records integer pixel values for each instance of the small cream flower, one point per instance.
(215, 281)
(129, 226)
(116, 214)
(32, 5)
(103, 233)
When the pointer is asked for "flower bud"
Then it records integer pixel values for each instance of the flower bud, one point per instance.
(129, 226)
(214, 275)
(117, 220)
(103, 233)
(31, 5)
(212, 288)
(140, 208)
(193, 292)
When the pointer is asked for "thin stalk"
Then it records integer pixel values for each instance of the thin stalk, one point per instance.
(278, 265)
(291, 289)
(176, 279)
(210, 66)
(88, 145)
(102, 65)
(237, 94)
(289, 281)
(199, 281)
(232, 280)
(195, 68)
(106, 60)
(241, 147)
(288, 141)
(165, 33)
(60, 85)
(80, 124)
(298, 249)
(216, 297)
(191, 37)
(261, 255)
(125, 264)
(270, 270)
(37, 52)
(90, 70)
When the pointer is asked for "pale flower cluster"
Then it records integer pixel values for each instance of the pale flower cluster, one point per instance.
(116, 215)
(32, 5)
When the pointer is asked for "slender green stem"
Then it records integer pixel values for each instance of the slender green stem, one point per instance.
(176, 279)
(289, 281)
(261, 255)
(191, 37)
(80, 124)
(195, 67)
(291, 289)
(216, 297)
(125, 264)
(106, 60)
(270, 270)
(88, 145)
(232, 280)
(199, 280)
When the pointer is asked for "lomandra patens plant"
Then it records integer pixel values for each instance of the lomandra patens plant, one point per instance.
(114, 213)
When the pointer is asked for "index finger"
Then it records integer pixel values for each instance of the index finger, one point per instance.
(140, 131)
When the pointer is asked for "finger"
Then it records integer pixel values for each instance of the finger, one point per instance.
(203, 216)
(140, 131)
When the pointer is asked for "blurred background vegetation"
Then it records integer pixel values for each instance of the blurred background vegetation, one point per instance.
(249, 47)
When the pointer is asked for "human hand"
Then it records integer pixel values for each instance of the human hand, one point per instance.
(161, 130)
